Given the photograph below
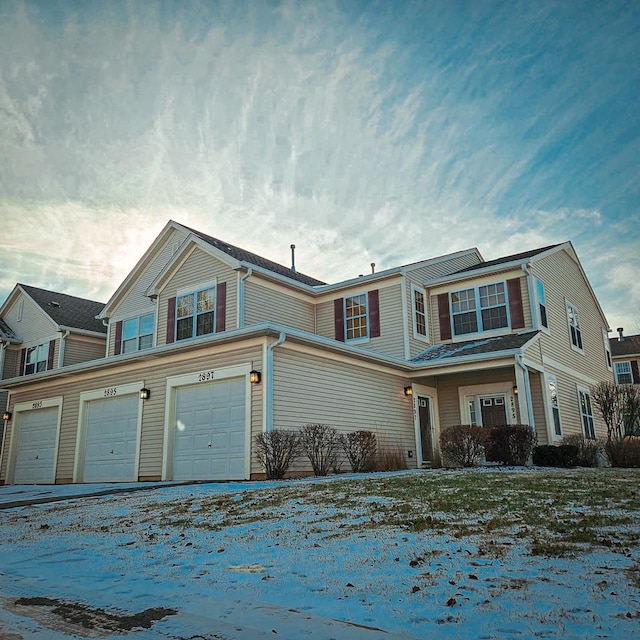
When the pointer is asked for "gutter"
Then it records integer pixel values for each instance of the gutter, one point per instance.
(270, 349)
(526, 267)
(246, 276)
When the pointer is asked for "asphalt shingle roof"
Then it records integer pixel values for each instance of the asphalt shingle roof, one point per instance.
(473, 347)
(516, 257)
(628, 346)
(259, 261)
(6, 333)
(68, 311)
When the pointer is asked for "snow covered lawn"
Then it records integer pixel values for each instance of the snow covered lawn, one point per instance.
(490, 553)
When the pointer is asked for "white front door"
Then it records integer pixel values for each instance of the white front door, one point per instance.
(210, 431)
(35, 452)
(111, 440)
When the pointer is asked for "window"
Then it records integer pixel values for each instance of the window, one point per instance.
(587, 414)
(624, 375)
(607, 350)
(137, 333)
(36, 359)
(552, 386)
(490, 300)
(574, 326)
(542, 304)
(195, 314)
(356, 317)
(419, 314)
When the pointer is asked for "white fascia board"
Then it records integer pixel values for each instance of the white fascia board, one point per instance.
(82, 332)
(11, 299)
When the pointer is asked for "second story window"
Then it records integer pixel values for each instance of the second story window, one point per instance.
(355, 317)
(419, 314)
(137, 333)
(623, 372)
(481, 309)
(542, 304)
(575, 331)
(195, 314)
(36, 359)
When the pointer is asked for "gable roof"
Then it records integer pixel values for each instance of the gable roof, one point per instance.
(482, 346)
(6, 332)
(515, 257)
(67, 311)
(242, 255)
(628, 346)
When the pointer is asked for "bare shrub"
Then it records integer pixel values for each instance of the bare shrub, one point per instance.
(591, 453)
(624, 452)
(462, 445)
(320, 443)
(276, 450)
(606, 396)
(390, 458)
(630, 409)
(511, 444)
(359, 447)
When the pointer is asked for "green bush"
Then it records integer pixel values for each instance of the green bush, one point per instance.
(624, 452)
(462, 445)
(511, 444)
(548, 455)
(591, 453)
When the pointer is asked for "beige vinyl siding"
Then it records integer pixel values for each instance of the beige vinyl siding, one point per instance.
(153, 409)
(199, 268)
(536, 383)
(269, 304)
(562, 280)
(35, 324)
(11, 363)
(309, 388)
(325, 325)
(77, 350)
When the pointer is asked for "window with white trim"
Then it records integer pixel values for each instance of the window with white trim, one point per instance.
(586, 414)
(420, 327)
(554, 405)
(137, 333)
(479, 309)
(541, 297)
(36, 358)
(195, 313)
(355, 317)
(623, 373)
(607, 350)
(573, 318)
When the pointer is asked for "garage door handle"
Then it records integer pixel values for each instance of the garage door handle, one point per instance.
(111, 451)
(209, 445)
(37, 457)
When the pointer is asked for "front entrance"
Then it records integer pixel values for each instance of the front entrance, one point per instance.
(493, 410)
(426, 428)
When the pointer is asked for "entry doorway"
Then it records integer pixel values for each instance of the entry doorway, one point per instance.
(425, 419)
(493, 410)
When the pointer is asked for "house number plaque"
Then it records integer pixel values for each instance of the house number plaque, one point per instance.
(110, 392)
(205, 376)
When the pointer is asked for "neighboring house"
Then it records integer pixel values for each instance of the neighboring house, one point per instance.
(626, 358)
(209, 345)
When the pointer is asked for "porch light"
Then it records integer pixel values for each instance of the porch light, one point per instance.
(6, 416)
(145, 393)
(408, 391)
(255, 376)
(515, 389)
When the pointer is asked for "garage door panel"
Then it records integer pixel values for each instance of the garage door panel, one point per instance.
(35, 451)
(210, 433)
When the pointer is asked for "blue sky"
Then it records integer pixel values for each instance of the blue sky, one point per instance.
(383, 132)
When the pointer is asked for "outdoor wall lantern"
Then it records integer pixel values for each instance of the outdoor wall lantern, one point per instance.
(6, 416)
(408, 391)
(255, 376)
(145, 394)
(515, 389)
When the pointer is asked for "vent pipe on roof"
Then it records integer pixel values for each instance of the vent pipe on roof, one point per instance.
(373, 267)
(293, 257)
(620, 334)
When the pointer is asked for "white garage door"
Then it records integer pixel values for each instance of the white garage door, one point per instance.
(210, 431)
(35, 454)
(111, 442)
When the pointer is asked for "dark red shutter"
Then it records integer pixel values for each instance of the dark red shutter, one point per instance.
(171, 320)
(221, 307)
(444, 317)
(52, 350)
(634, 372)
(374, 314)
(117, 348)
(338, 318)
(515, 303)
(23, 358)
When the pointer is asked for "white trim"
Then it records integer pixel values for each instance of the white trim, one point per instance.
(567, 304)
(203, 377)
(548, 409)
(616, 374)
(431, 393)
(584, 390)
(554, 364)
(475, 392)
(418, 336)
(114, 392)
(536, 303)
(24, 407)
(608, 356)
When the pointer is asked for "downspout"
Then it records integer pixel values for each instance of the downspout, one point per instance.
(270, 348)
(526, 267)
(3, 347)
(527, 390)
(241, 297)
(63, 339)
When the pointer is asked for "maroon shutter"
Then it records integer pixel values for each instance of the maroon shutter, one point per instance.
(443, 315)
(221, 307)
(374, 314)
(515, 303)
(171, 320)
(52, 350)
(634, 372)
(23, 358)
(338, 318)
(117, 348)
